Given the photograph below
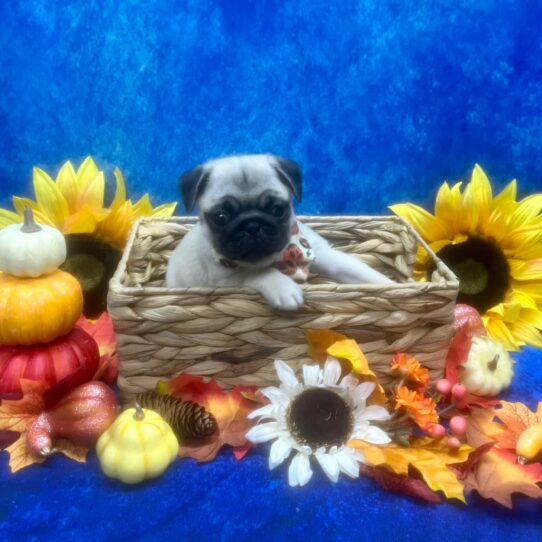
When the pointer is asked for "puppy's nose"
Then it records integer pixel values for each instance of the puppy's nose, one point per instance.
(253, 226)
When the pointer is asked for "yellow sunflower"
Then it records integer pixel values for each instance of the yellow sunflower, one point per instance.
(494, 246)
(95, 234)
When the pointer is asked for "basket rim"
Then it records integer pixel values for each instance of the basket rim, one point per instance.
(116, 286)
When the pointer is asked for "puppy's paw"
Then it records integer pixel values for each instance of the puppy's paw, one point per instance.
(281, 292)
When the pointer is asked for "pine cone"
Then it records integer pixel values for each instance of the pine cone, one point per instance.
(187, 419)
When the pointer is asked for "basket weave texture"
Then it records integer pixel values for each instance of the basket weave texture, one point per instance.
(232, 335)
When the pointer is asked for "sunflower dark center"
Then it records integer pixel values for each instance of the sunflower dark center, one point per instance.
(93, 263)
(318, 417)
(482, 270)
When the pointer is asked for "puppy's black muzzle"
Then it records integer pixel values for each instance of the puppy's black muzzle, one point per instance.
(251, 236)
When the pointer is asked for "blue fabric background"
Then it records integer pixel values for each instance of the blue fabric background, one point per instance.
(379, 101)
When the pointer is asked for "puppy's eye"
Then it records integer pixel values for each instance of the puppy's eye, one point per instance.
(278, 211)
(221, 218)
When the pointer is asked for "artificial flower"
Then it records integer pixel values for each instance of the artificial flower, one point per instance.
(494, 247)
(420, 408)
(316, 419)
(410, 369)
(95, 234)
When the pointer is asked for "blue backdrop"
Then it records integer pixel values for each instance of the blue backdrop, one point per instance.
(379, 101)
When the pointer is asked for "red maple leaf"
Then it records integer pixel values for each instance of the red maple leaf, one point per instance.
(103, 332)
(230, 410)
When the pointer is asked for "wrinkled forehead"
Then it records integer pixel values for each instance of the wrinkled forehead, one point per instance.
(245, 178)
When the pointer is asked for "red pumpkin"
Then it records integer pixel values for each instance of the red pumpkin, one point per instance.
(75, 354)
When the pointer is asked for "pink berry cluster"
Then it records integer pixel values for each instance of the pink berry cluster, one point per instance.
(457, 424)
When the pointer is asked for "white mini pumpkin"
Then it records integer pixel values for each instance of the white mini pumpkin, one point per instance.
(488, 369)
(29, 250)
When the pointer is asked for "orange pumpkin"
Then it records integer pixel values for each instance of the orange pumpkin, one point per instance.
(38, 310)
(75, 354)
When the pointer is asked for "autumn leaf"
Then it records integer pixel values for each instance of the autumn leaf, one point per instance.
(73, 451)
(188, 388)
(323, 342)
(398, 483)
(7, 438)
(103, 332)
(319, 340)
(17, 415)
(496, 475)
(516, 417)
(457, 354)
(230, 410)
(20, 457)
(429, 457)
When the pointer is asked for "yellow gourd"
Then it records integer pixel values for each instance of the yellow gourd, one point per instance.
(38, 310)
(488, 369)
(139, 445)
(529, 444)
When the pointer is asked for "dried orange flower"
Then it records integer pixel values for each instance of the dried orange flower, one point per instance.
(410, 368)
(421, 409)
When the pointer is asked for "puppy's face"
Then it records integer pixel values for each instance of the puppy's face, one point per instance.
(245, 203)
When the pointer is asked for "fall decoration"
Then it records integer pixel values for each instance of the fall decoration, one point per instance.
(80, 417)
(317, 419)
(230, 410)
(29, 250)
(76, 352)
(323, 343)
(138, 445)
(95, 234)
(488, 369)
(38, 310)
(468, 318)
(102, 331)
(497, 474)
(420, 408)
(468, 327)
(430, 458)
(410, 316)
(529, 444)
(187, 419)
(401, 484)
(18, 415)
(494, 247)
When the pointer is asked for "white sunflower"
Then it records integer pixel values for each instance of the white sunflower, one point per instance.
(317, 418)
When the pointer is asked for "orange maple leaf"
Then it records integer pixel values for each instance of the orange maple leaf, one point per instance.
(103, 332)
(230, 410)
(496, 475)
(17, 416)
(516, 417)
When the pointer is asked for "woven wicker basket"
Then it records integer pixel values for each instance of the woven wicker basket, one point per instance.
(231, 334)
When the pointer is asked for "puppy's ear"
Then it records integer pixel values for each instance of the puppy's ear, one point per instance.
(192, 185)
(290, 174)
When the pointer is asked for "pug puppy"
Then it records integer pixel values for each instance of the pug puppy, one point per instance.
(246, 219)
